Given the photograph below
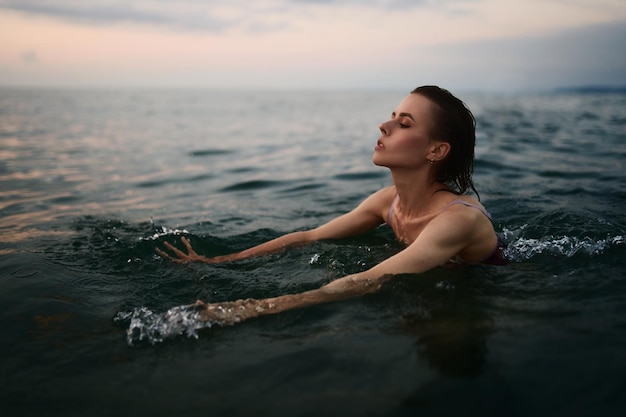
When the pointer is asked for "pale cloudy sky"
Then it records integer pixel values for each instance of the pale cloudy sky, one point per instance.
(376, 44)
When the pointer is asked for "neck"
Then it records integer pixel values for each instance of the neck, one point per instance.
(415, 190)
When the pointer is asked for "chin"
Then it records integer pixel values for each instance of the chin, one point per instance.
(378, 162)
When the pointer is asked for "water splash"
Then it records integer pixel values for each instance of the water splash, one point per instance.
(568, 246)
(315, 259)
(148, 326)
(445, 285)
(164, 231)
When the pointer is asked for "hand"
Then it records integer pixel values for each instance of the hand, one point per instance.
(182, 257)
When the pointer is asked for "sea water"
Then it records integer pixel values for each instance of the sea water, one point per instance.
(95, 323)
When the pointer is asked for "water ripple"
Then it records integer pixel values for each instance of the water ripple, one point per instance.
(303, 187)
(355, 176)
(167, 181)
(211, 152)
(252, 185)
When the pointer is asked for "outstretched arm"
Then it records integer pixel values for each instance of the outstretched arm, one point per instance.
(272, 246)
(232, 312)
(437, 244)
(366, 216)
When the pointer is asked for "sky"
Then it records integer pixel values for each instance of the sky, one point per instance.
(474, 45)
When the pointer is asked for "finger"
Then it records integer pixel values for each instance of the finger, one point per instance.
(165, 255)
(177, 251)
(161, 253)
(190, 250)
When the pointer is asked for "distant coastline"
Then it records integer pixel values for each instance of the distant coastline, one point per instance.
(592, 89)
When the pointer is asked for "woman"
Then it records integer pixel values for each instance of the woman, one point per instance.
(428, 145)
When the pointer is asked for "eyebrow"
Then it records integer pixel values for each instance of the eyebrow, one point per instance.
(404, 115)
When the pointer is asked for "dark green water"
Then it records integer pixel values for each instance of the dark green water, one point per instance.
(91, 182)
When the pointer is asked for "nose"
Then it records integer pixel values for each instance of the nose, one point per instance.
(384, 128)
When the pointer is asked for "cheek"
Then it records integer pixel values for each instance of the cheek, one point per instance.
(411, 143)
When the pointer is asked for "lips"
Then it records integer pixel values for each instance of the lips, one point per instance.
(379, 146)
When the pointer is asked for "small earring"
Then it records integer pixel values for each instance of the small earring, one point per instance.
(432, 161)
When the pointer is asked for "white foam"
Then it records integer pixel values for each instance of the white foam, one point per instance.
(148, 326)
(165, 231)
(569, 246)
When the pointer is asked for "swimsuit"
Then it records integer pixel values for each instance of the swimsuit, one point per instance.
(497, 257)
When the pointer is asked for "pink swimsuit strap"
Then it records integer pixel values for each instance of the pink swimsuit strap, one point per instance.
(453, 202)
(390, 212)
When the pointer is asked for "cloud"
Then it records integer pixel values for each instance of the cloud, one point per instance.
(189, 14)
(580, 56)
(486, 44)
(198, 15)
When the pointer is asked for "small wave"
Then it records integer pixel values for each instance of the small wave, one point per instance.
(617, 120)
(167, 181)
(146, 326)
(242, 170)
(164, 231)
(251, 185)
(351, 176)
(587, 115)
(526, 248)
(304, 187)
(210, 152)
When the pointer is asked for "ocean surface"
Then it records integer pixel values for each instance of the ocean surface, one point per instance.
(94, 323)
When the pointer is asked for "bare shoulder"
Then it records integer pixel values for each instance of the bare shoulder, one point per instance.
(466, 228)
(461, 220)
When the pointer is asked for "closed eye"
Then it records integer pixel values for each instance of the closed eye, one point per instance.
(400, 117)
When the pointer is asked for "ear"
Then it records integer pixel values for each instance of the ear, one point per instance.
(439, 150)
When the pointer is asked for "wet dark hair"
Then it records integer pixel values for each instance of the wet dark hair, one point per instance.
(453, 122)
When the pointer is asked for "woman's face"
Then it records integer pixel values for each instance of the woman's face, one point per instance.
(405, 138)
